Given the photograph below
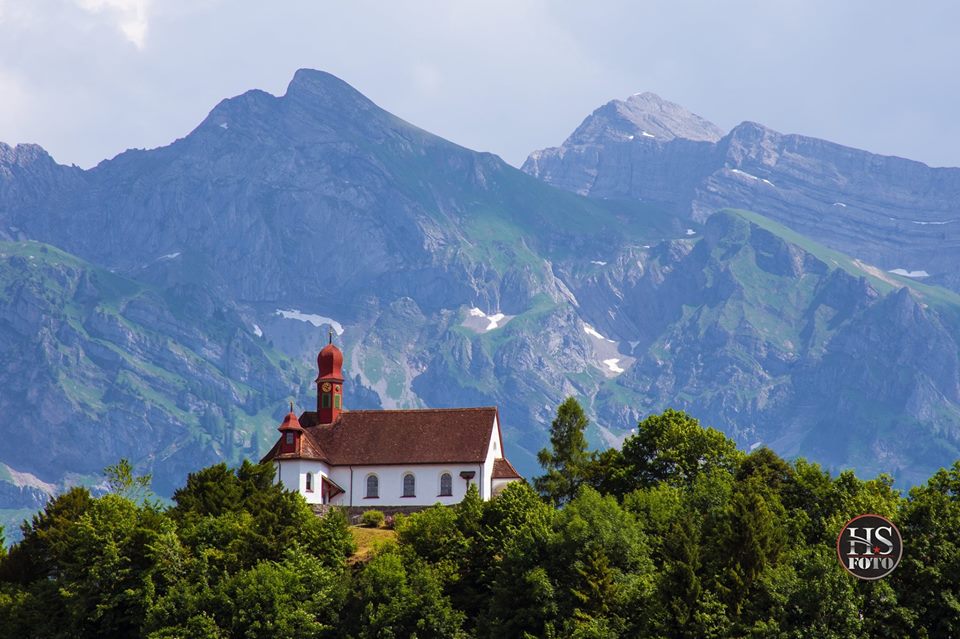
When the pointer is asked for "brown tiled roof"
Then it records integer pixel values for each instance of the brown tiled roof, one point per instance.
(422, 436)
(503, 469)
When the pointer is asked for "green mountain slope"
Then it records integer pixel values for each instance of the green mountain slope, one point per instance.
(95, 366)
(786, 343)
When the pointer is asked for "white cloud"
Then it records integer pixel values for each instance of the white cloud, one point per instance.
(130, 16)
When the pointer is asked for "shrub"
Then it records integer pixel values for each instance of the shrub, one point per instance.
(372, 519)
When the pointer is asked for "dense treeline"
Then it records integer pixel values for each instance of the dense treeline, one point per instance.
(678, 534)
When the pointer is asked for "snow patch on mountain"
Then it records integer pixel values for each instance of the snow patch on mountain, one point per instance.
(493, 321)
(905, 273)
(589, 330)
(744, 174)
(613, 365)
(316, 320)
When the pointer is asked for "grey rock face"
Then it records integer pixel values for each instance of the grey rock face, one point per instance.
(638, 122)
(888, 211)
(752, 332)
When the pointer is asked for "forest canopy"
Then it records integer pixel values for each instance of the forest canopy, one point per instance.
(676, 534)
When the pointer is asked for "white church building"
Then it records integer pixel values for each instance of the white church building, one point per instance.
(383, 459)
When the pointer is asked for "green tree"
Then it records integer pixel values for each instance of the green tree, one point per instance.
(928, 578)
(749, 540)
(567, 461)
(398, 595)
(293, 598)
(122, 481)
(599, 559)
(236, 518)
(297, 598)
(512, 550)
(470, 512)
(433, 534)
(33, 558)
(675, 448)
(679, 589)
(84, 568)
(211, 491)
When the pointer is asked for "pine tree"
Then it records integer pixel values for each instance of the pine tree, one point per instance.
(568, 461)
(680, 588)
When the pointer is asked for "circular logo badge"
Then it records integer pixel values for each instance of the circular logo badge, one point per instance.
(869, 547)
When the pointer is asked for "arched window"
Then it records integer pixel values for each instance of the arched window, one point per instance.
(409, 485)
(446, 485)
(373, 486)
(309, 482)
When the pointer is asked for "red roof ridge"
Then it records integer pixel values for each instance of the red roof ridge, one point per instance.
(401, 436)
(418, 410)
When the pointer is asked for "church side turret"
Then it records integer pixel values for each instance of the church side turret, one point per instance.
(291, 434)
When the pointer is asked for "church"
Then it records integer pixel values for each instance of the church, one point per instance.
(387, 459)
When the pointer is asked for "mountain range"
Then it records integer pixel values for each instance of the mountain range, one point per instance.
(891, 212)
(166, 304)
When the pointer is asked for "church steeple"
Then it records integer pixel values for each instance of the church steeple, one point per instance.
(329, 383)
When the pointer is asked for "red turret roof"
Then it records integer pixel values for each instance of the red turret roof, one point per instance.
(290, 422)
(330, 362)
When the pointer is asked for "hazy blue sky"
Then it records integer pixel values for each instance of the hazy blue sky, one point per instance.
(89, 78)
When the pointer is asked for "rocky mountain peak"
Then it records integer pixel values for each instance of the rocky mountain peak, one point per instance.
(324, 88)
(23, 155)
(644, 115)
(317, 107)
(748, 131)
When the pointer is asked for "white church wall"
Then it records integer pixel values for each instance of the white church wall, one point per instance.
(494, 451)
(293, 474)
(427, 484)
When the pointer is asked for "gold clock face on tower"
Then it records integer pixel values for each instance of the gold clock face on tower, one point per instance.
(326, 387)
(336, 389)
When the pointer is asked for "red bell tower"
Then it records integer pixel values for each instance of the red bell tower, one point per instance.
(290, 433)
(329, 383)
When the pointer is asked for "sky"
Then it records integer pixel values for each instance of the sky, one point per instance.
(87, 79)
